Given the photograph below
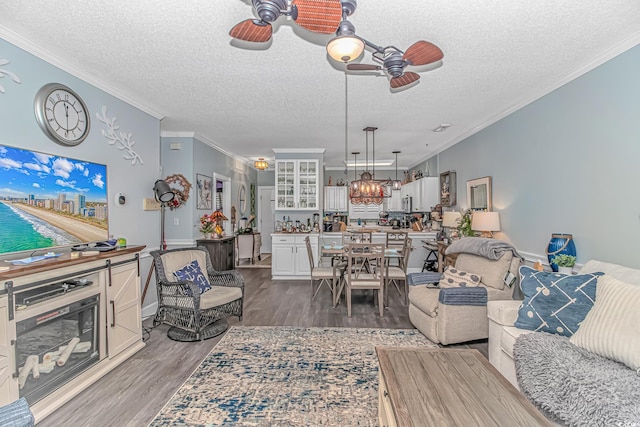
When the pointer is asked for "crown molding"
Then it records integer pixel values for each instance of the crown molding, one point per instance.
(206, 141)
(299, 150)
(41, 53)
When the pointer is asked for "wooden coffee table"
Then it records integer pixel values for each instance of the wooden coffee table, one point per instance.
(448, 387)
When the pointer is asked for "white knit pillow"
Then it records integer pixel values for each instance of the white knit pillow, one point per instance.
(611, 328)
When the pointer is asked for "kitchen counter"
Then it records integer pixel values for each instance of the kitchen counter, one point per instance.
(418, 250)
(313, 233)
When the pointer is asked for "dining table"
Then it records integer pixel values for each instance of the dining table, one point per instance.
(338, 252)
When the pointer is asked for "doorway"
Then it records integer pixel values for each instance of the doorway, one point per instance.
(222, 199)
(266, 215)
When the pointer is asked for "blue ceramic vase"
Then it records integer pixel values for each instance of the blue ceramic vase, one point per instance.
(560, 243)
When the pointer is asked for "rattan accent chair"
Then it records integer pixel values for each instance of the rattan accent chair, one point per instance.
(194, 316)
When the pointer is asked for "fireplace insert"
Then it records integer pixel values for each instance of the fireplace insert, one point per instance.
(56, 345)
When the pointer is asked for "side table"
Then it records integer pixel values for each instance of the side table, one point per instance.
(221, 251)
(443, 259)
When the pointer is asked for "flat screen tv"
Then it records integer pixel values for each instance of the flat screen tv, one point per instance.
(48, 201)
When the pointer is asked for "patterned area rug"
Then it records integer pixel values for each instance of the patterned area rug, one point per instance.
(281, 376)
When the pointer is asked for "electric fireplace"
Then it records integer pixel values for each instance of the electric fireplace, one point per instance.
(58, 337)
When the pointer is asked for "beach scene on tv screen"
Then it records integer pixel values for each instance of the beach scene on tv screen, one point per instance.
(48, 200)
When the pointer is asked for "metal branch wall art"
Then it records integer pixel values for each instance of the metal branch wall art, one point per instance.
(123, 140)
(8, 73)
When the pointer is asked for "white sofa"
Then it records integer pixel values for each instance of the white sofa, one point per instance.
(503, 314)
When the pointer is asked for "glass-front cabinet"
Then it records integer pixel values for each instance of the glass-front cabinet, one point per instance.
(297, 184)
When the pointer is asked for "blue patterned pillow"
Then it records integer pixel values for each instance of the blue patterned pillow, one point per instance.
(553, 302)
(193, 273)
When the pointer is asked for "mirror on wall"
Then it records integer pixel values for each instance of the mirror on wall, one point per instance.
(242, 198)
(479, 194)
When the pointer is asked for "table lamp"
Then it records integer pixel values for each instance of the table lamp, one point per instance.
(450, 219)
(486, 222)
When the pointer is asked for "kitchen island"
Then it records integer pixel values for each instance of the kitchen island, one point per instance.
(290, 259)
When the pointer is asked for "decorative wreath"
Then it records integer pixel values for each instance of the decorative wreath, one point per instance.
(180, 187)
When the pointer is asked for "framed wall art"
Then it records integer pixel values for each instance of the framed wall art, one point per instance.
(479, 194)
(448, 188)
(205, 191)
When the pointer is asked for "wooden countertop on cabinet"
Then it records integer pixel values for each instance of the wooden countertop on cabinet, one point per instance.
(64, 260)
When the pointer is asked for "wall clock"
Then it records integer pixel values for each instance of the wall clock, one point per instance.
(62, 114)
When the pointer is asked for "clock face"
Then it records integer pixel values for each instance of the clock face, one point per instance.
(61, 114)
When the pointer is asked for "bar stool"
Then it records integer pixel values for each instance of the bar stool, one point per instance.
(431, 260)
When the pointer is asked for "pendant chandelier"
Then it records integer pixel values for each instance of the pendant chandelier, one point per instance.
(368, 190)
(396, 184)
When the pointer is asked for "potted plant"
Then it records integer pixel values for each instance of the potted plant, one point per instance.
(464, 229)
(207, 225)
(565, 263)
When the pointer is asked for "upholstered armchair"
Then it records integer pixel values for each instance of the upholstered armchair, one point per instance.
(449, 315)
(193, 298)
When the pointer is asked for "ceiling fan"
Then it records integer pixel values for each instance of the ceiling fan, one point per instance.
(318, 16)
(394, 61)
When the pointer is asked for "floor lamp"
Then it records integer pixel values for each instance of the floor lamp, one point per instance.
(163, 195)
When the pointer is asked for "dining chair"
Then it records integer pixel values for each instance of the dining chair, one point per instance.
(365, 270)
(396, 240)
(329, 276)
(356, 237)
(396, 274)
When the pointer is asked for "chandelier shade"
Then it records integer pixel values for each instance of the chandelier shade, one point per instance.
(368, 190)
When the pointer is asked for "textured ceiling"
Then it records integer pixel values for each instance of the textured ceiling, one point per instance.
(176, 60)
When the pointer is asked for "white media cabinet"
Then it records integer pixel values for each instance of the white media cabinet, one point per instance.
(114, 276)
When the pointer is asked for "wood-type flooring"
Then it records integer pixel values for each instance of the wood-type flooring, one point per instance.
(133, 393)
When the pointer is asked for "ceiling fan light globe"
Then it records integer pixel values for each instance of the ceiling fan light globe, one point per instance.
(345, 48)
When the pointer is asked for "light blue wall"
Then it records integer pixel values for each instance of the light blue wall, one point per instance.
(266, 178)
(196, 157)
(18, 128)
(568, 162)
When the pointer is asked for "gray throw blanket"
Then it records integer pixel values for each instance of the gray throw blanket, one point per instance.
(574, 386)
(482, 246)
(463, 296)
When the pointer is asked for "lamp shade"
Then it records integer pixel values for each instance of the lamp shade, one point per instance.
(218, 216)
(345, 48)
(163, 192)
(486, 222)
(450, 219)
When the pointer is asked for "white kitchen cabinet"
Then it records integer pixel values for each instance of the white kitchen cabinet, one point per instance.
(393, 203)
(335, 199)
(428, 195)
(423, 192)
(297, 185)
(371, 211)
(289, 259)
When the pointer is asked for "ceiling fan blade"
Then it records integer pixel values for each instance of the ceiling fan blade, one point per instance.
(422, 53)
(252, 30)
(319, 16)
(403, 80)
(363, 67)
